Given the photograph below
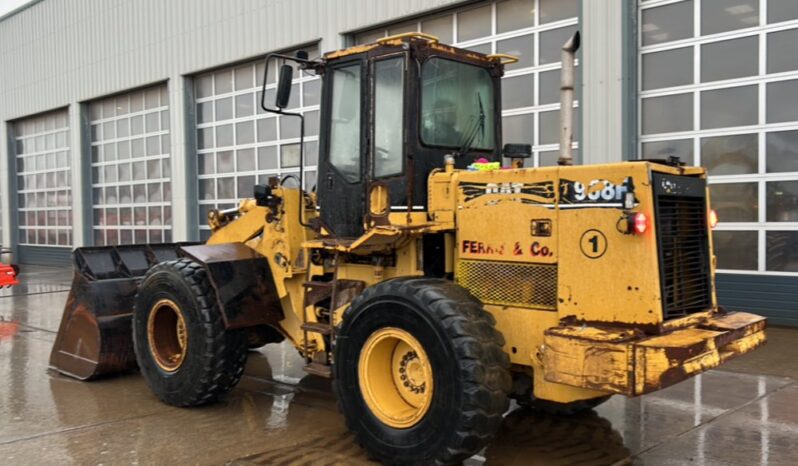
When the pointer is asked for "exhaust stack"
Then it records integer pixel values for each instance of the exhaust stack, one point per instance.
(567, 100)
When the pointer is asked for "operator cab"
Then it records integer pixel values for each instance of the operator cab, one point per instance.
(391, 111)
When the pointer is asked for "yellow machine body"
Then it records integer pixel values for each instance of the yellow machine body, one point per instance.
(569, 260)
(579, 298)
(584, 319)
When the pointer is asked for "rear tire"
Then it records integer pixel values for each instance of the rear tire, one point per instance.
(457, 373)
(184, 352)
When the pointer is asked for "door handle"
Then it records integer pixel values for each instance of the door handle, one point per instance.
(329, 181)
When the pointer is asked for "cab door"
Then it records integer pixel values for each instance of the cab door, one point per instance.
(341, 186)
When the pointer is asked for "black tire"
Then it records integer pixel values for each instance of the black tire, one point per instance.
(214, 358)
(470, 370)
(562, 409)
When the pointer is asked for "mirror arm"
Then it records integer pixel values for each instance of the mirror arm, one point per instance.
(301, 169)
(301, 117)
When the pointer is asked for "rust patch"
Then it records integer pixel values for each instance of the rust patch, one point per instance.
(629, 362)
(670, 377)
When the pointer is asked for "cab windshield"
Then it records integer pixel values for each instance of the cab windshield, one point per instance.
(456, 105)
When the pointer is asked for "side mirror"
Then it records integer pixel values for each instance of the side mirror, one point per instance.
(284, 86)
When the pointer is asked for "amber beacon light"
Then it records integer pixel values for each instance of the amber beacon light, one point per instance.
(713, 218)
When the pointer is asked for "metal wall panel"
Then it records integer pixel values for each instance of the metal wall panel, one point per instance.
(59, 52)
(39, 255)
(768, 295)
(603, 78)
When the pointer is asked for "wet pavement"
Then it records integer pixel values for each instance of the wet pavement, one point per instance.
(745, 414)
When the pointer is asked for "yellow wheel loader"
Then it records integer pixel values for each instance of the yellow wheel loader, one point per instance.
(431, 283)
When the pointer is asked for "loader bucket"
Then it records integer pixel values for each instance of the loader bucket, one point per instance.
(95, 335)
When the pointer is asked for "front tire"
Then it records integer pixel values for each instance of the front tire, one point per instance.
(184, 352)
(420, 373)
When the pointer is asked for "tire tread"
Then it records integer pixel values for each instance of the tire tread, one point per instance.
(224, 355)
(483, 364)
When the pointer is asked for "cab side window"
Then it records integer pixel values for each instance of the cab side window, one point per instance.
(388, 116)
(345, 121)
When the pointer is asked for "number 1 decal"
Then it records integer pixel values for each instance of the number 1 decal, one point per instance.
(593, 244)
(594, 240)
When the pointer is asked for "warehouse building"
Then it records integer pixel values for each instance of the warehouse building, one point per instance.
(127, 121)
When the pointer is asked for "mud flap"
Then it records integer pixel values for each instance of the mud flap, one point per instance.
(243, 283)
(94, 337)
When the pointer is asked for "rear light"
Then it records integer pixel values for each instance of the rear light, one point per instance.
(713, 218)
(639, 223)
(636, 223)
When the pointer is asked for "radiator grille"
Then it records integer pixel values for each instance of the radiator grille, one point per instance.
(683, 243)
(509, 283)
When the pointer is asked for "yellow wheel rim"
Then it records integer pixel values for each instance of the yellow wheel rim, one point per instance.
(167, 335)
(395, 377)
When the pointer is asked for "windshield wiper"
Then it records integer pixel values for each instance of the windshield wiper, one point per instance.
(477, 128)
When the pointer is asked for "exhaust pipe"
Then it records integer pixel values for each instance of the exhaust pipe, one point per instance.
(567, 100)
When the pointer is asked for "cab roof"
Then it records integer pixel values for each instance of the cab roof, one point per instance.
(420, 39)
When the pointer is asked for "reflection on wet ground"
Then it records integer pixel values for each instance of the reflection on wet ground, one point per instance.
(277, 415)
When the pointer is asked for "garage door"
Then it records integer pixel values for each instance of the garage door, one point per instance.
(44, 195)
(239, 144)
(131, 168)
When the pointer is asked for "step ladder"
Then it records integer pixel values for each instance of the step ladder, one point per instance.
(339, 292)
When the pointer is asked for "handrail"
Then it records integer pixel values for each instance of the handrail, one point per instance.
(406, 35)
(510, 58)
